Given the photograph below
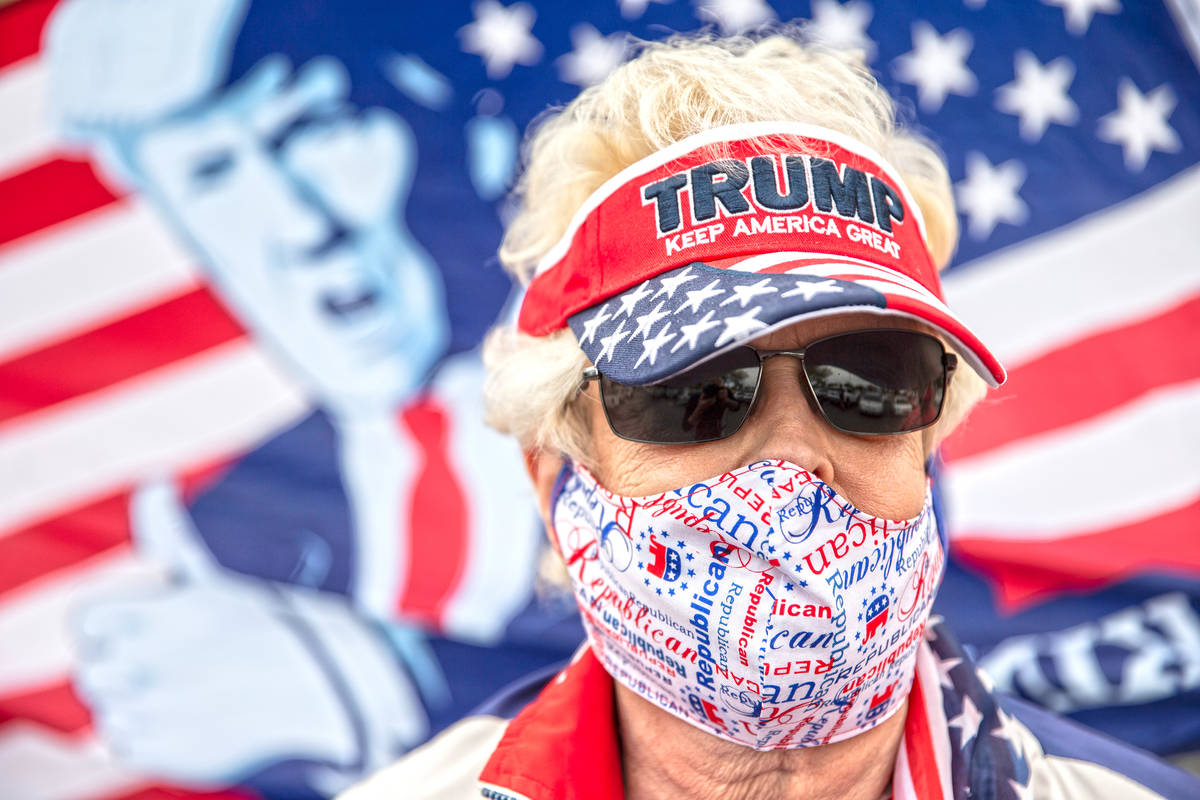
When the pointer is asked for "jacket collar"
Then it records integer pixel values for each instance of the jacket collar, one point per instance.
(565, 744)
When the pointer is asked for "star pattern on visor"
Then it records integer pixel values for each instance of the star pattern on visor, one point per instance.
(608, 343)
(809, 289)
(692, 333)
(649, 320)
(737, 328)
(650, 347)
(744, 294)
(593, 325)
(669, 285)
(697, 298)
(662, 325)
(630, 300)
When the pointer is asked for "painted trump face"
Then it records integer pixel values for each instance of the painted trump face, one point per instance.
(295, 200)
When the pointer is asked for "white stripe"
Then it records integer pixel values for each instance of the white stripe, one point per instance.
(25, 136)
(1134, 462)
(872, 276)
(903, 787)
(1116, 266)
(921, 296)
(931, 690)
(379, 467)
(878, 273)
(882, 279)
(767, 260)
(38, 764)
(1052, 774)
(505, 533)
(725, 133)
(201, 409)
(1187, 21)
(36, 618)
(86, 272)
(763, 261)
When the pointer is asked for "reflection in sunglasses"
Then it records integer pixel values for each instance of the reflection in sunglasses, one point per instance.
(875, 382)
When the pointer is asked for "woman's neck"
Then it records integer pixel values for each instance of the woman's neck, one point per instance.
(663, 756)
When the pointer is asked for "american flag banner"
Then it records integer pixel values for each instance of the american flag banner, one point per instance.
(255, 540)
(1073, 132)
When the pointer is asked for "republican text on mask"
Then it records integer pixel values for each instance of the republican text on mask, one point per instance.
(579, 498)
(752, 617)
(735, 589)
(741, 529)
(840, 642)
(888, 543)
(616, 668)
(632, 610)
(647, 655)
(878, 668)
(881, 655)
(653, 653)
(702, 605)
(634, 621)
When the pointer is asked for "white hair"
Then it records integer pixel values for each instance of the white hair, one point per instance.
(671, 90)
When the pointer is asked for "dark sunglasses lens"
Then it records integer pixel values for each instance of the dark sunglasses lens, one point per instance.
(877, 382)
(701, 405)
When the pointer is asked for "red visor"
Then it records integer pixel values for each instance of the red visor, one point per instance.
(731, 193)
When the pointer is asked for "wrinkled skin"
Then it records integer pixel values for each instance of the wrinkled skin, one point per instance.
(883, 475)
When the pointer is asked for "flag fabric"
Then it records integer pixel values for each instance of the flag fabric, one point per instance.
(1071, 493)
(246, 256)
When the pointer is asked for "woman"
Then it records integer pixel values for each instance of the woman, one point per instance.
(744, 219)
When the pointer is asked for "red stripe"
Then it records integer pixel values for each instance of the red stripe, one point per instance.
(175, 793)
(52, 192)
(437, 524)
(952, 326)
(1024, 573)
(64, 540)
(200, 478)
(21, 26)
(797, 263)
(183, 326)
(918, 745)
(1106, 371)
(901, 301)
(73, 536)
(55, 706)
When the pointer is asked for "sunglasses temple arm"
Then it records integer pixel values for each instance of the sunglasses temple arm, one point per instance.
(589, 374)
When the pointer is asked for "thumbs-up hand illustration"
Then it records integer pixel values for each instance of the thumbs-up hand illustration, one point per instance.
(216, 675)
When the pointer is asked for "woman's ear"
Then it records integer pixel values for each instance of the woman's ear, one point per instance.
(543, 468)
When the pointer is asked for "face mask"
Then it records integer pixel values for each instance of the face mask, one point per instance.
(759, 606)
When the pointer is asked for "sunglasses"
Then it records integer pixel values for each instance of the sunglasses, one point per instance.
(875, 382)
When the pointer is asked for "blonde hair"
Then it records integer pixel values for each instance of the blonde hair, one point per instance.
(671, 90)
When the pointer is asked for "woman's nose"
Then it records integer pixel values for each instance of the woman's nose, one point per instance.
(784, 423)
